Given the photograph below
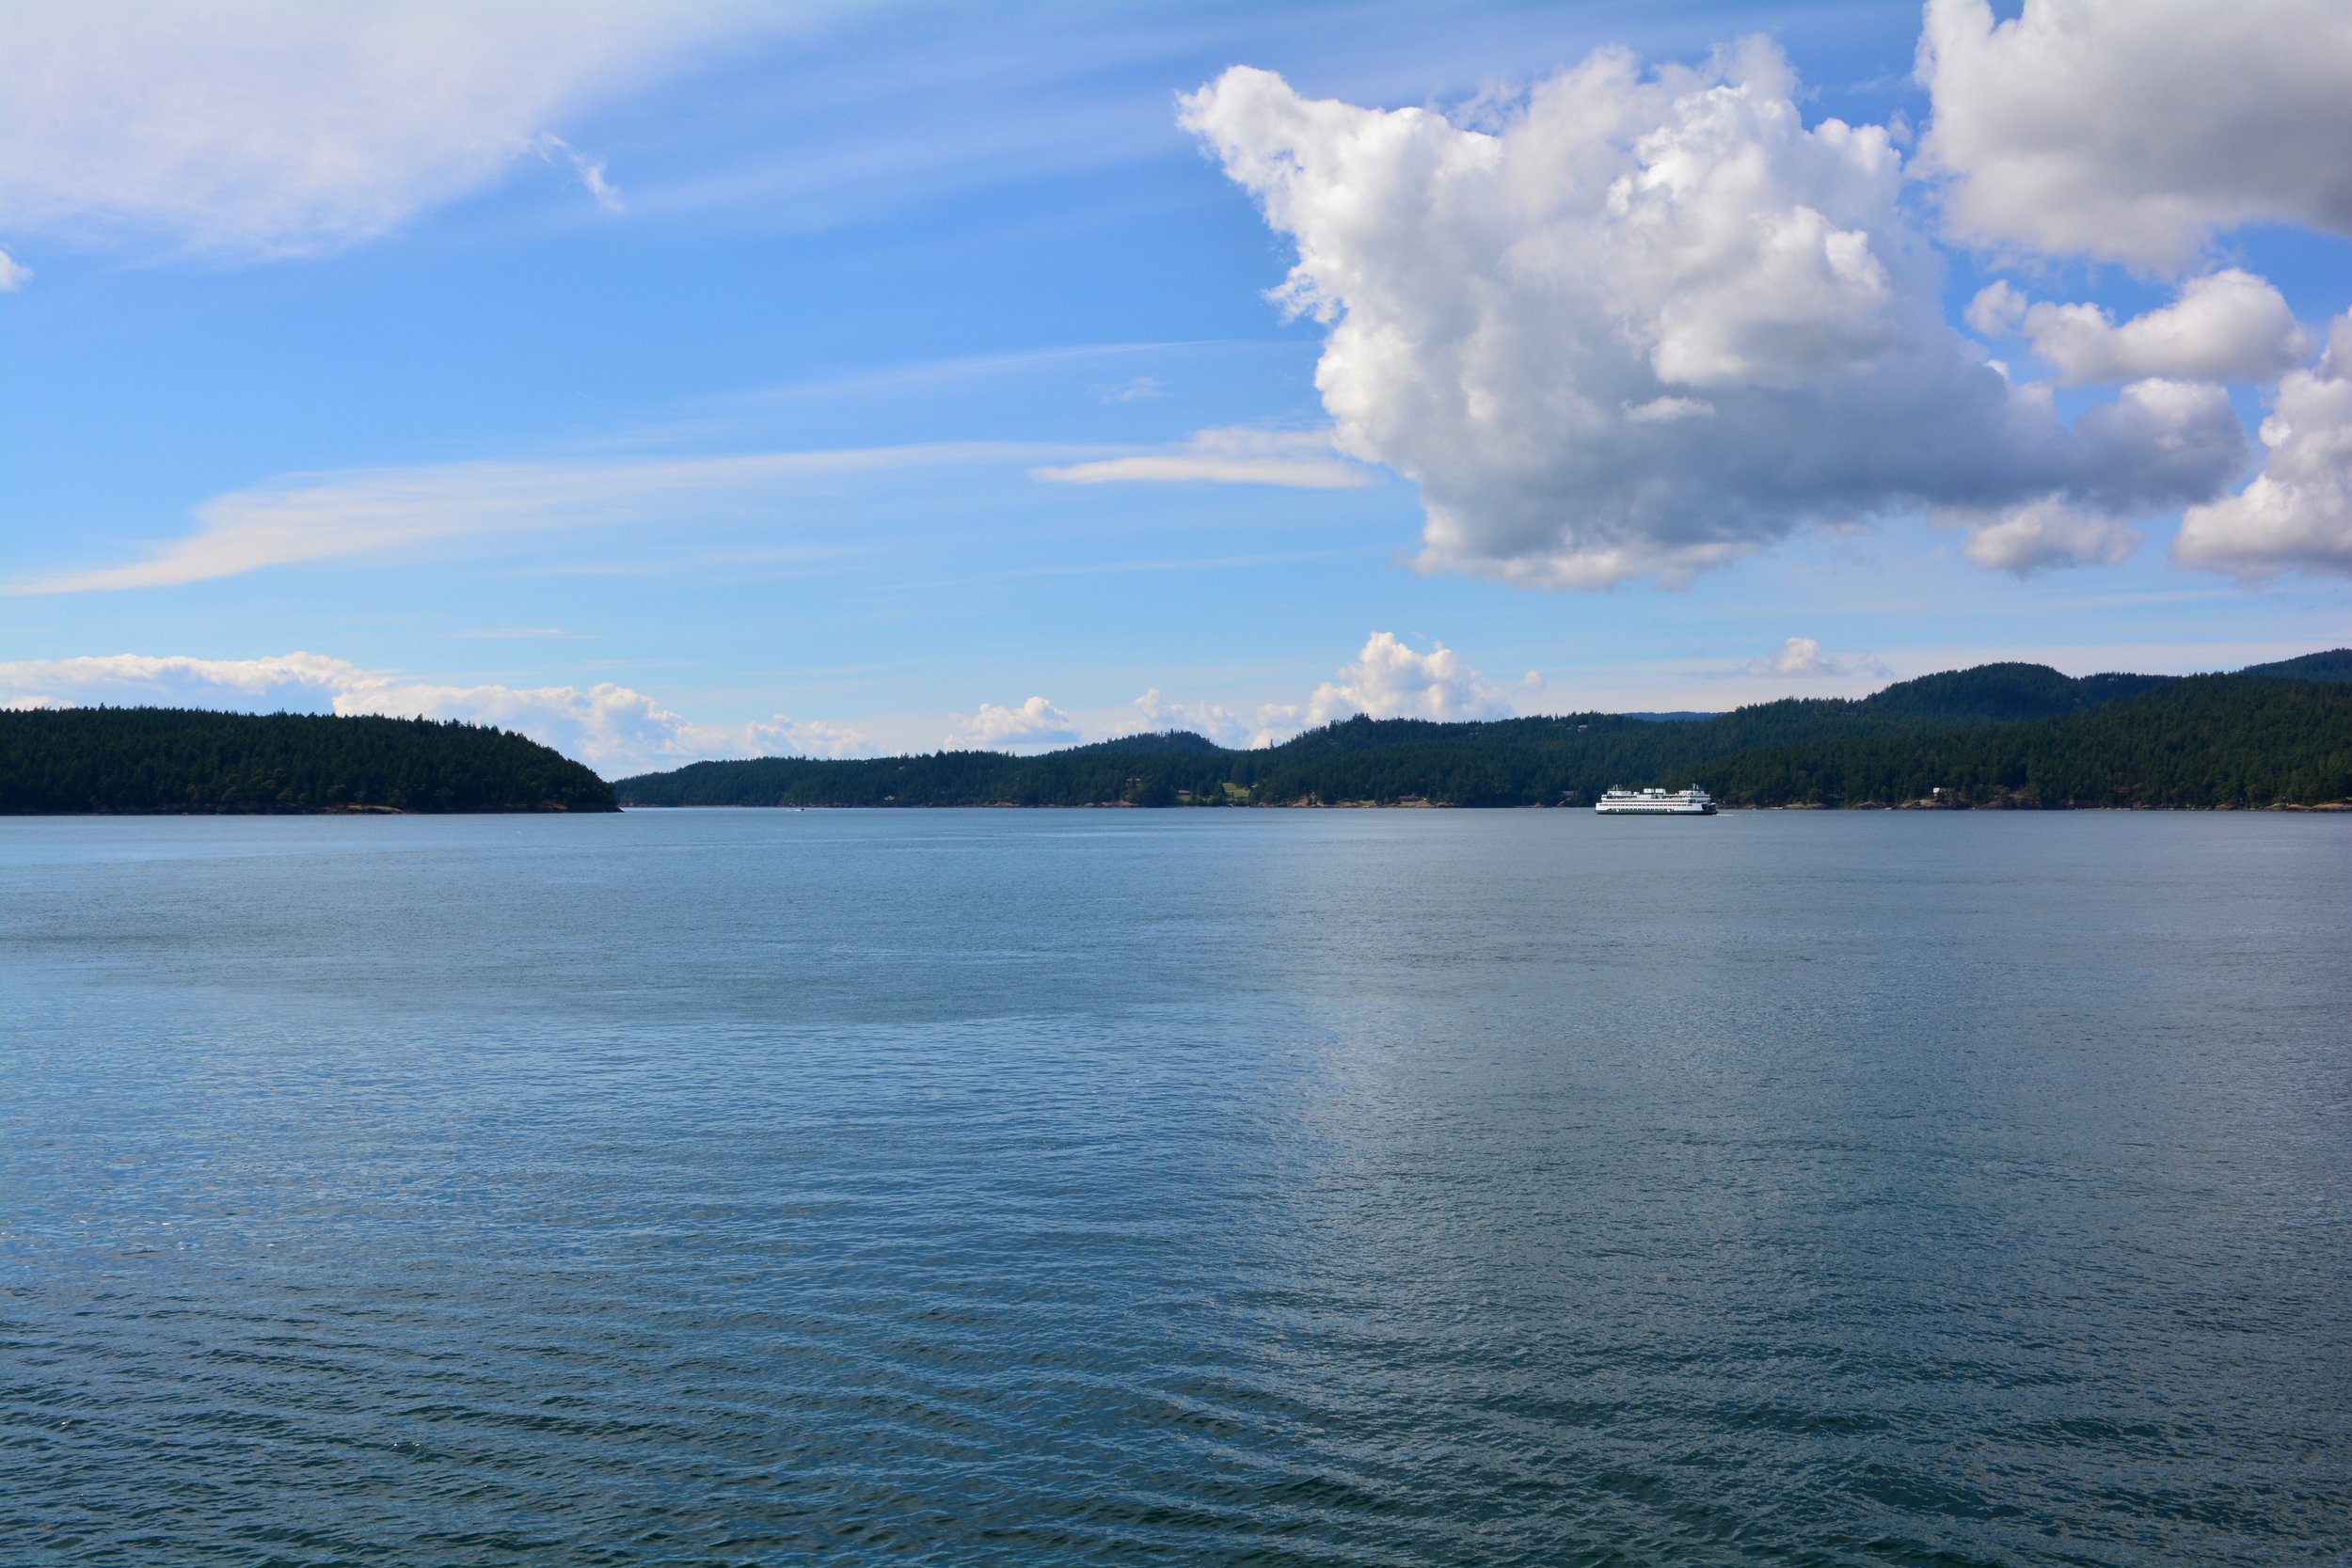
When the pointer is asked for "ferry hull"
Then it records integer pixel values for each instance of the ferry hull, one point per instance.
(1655, 811)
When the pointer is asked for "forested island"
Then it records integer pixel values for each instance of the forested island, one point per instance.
(183, 760)
(2008, 736)
(2013, 736)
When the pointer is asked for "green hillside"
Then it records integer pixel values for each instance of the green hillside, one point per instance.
(1999, 693)
(2333, 665)
(1160, 743)
(1999, 735)
(184, 760)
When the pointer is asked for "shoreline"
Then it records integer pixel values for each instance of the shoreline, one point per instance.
(2324, 808)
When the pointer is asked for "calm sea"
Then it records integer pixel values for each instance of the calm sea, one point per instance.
(1127, 1187)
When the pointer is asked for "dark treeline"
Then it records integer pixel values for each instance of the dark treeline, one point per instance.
(2000, 734)
(145, 759)
(2333, 665)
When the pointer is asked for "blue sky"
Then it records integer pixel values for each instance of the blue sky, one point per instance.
(673, 382)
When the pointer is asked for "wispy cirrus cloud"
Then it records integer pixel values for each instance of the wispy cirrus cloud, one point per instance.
(256, 129)
(1299, 460)
(591, 170)
(1138, 388)
(510, 633)
(360, 512)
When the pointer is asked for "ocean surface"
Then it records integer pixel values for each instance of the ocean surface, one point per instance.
(1177, 1187)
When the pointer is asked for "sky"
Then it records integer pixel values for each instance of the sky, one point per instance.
(690, 380)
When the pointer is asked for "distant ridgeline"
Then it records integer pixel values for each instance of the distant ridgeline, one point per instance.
(1999, 735)
(180, 760)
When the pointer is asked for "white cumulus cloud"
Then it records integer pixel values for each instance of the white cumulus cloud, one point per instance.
(1803, 658)
(1999, 310)
(1389, 679)
(1653, 323)
(611, 728)
(2297, 514)
(2158, 435)
(1299, 460)
(2040, 535)
(2228, 326)
(261, 128)
(1035, 722)
(14, 274)
(1213, 720)
(2134, 130)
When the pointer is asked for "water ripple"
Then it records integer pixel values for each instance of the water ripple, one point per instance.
(1259, 1188)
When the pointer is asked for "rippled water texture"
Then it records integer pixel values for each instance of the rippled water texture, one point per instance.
(1177, 1187)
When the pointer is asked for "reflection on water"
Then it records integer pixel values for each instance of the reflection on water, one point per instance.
(1104, 1187)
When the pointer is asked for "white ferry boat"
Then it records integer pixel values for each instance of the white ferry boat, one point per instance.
(1693, 801)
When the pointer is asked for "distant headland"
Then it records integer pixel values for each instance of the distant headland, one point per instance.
(1997, 736)
(185, 761)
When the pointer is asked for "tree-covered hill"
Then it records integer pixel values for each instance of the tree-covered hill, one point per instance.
(2003, 735)
(1158, 743)
(1996, 693)
(180, 760)
(2333, 665)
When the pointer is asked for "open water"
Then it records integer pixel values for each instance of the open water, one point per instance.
(1178, 1187)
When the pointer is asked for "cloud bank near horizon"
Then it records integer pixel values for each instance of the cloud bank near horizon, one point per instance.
(1030, 725)
(1387, 678)
(617, 730)
(611, 728)
(1803, 658)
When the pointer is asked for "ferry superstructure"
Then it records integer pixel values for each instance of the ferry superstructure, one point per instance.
(1693, 801)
